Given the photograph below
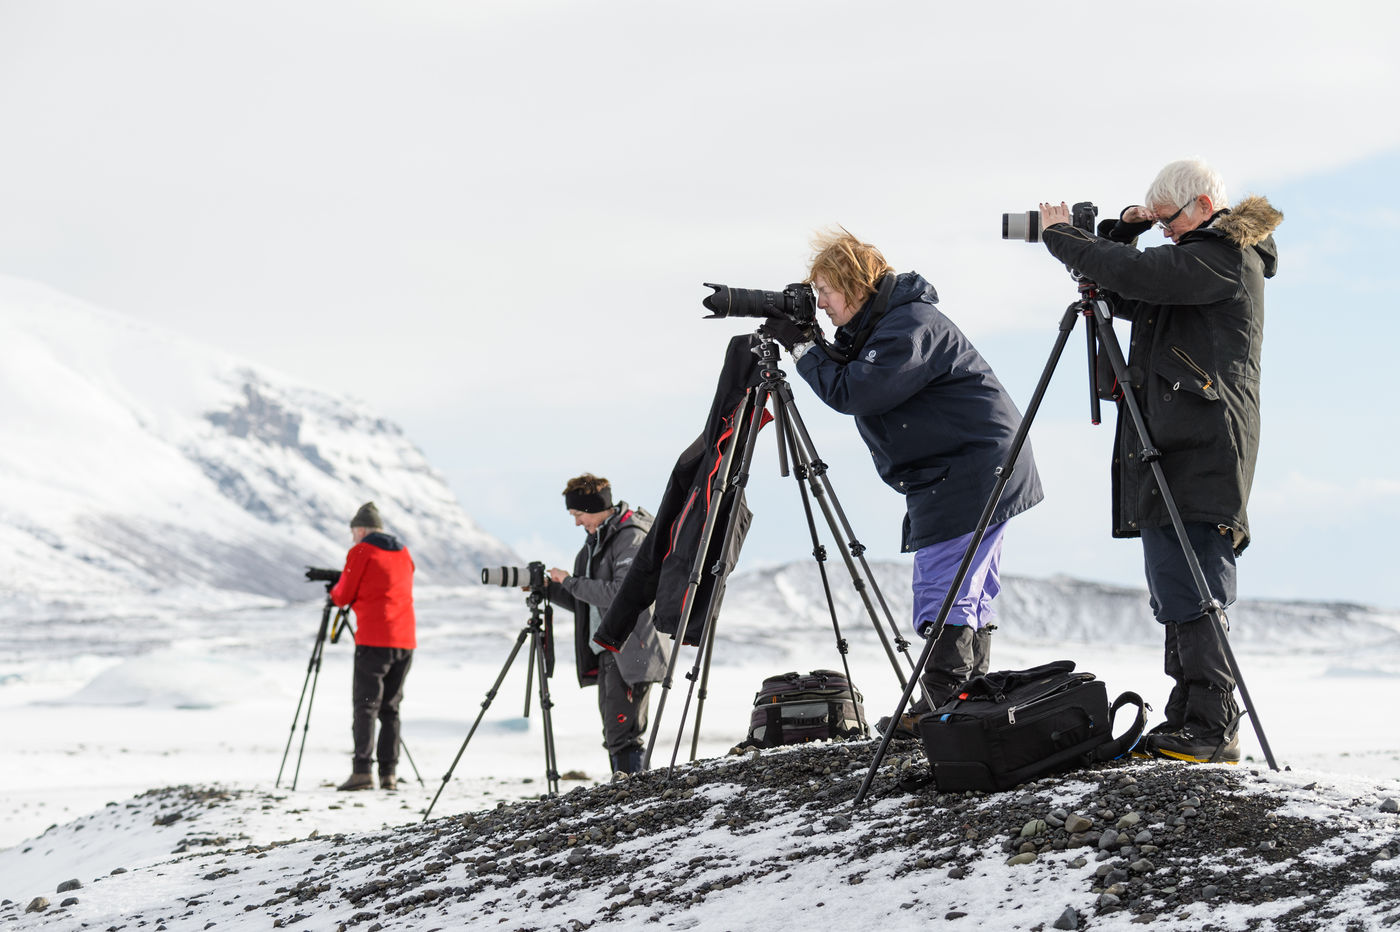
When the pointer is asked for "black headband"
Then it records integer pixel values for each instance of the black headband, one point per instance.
(589, 502)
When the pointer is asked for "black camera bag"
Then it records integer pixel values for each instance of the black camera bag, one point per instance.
(791, 708)
(1008, 727)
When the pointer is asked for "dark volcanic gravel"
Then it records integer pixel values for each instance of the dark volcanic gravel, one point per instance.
(1144, 842)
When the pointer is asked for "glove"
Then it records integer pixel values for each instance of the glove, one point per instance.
(786, 332)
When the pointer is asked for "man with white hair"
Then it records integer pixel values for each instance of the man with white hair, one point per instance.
(1197, 313)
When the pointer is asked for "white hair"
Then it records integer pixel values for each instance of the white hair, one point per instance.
(1183, 181)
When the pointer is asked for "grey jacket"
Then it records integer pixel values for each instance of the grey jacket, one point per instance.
(599, 568)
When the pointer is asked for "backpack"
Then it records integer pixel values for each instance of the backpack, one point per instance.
(1012, 726)
(791, 708)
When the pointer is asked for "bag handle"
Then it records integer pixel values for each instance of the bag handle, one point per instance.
(1120, 746)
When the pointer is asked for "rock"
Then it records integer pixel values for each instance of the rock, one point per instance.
(1108, 901)
(1069, 919)
(1141, 866)
(37, 905)
(1210, 891)
(1390, 804)
(1109, 840)
(69, 901)
(1026, 857)
(1032, 828)
(956, 873)
(1076, 824)
(1128, 821)
(70, 885)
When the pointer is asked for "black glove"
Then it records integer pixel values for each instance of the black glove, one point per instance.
(787, 332)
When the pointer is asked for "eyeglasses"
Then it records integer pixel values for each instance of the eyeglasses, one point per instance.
(1167, 223)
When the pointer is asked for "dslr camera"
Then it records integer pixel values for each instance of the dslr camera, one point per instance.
(796, 302)
(510, 577)
(315, 574)
(1026, 226)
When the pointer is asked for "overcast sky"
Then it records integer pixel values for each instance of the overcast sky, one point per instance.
(490, 220)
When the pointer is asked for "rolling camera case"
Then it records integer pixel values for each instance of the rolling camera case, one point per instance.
(792, 707)
(1008, 727)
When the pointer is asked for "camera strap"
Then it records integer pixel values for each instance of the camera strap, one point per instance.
(869, 316)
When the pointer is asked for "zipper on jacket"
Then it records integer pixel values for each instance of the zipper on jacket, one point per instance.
(1206, 380)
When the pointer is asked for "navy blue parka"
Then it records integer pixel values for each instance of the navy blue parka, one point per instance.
(937, 420)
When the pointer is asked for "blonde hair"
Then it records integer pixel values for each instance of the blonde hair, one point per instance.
(848, 265)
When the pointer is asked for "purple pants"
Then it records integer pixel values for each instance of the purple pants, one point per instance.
(937, 564)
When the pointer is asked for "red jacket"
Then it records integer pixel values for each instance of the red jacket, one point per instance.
(378, 582)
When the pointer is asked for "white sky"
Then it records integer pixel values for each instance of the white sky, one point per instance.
(491, 220)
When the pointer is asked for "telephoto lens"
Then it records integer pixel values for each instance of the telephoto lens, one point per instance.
(505, 576)
(1024, 226)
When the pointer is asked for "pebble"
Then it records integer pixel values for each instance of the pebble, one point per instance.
(1069, 919)
(1032, 828)
(1390, 804)
(69, 901)
(1108, 901)
(1076, 824)
(1129, 820)
(1025, 857)
(70, 885)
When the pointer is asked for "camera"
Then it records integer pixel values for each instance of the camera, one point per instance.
(1026, 226)
(511, 577)
(315, 574)
(796, 302)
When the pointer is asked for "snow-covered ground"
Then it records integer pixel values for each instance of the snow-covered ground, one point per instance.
(207, 703)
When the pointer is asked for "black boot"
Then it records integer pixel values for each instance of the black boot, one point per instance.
(1171, 665)
(950, 665)
(982, 651)
(1204, 699)
(626, 762)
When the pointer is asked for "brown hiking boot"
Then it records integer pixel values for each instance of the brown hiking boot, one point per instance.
(358, 781)
(387, 781)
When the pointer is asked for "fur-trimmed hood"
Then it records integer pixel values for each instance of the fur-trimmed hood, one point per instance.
(1250, 221)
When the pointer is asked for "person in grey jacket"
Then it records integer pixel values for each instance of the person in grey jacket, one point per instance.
(615, 531)
(1197, 312)
(938, 424)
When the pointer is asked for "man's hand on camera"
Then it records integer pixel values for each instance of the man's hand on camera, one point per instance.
(786, 332)
(1138, 214)
(1051, 214)
(558, 575)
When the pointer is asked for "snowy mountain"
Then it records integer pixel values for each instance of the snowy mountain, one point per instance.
(137, 462)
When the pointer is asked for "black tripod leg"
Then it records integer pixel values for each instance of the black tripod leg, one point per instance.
(737, 476)
(704, 692)
(1003, 475)
(697, 568)
(551, 761)
(1152, 457)
(485, 704)
(862, 579)
(802, 473)
(313, 670)
(409, 757)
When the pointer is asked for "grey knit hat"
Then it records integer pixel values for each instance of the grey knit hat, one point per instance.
(367, 516)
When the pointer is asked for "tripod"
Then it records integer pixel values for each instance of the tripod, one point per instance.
(1094, 309)
(313, 675)
(537, 629)
(810, 474)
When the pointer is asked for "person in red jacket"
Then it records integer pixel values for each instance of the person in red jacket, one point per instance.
(378, 583)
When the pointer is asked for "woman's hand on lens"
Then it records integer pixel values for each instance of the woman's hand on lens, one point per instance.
(1051, 214)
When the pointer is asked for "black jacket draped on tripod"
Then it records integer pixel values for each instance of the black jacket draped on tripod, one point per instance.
(1197, 310)
(661, 571)
(935, 417)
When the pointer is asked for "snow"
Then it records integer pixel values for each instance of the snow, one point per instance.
(209, 708)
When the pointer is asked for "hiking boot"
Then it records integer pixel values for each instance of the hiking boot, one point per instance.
(388, 781)
(1187, 744)
(908, 726)
(358, 781)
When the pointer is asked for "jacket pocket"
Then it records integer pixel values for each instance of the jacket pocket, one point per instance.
(1185, 374)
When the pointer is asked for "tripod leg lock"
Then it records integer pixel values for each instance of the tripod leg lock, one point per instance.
(1150, 455)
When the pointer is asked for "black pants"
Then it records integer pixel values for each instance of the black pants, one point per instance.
(623, 707)
(378, 690)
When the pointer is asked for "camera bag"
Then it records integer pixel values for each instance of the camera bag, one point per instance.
(1005, 728)
(791, 708)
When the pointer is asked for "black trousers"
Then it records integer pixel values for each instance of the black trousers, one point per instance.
(378, 690)
(623, 708)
